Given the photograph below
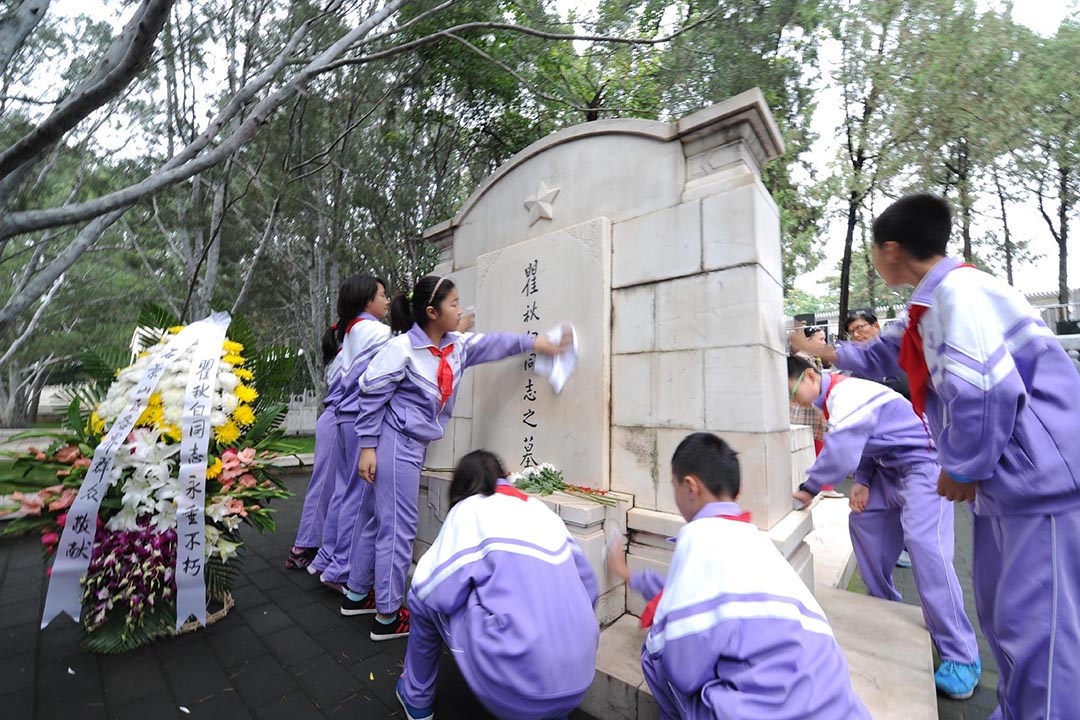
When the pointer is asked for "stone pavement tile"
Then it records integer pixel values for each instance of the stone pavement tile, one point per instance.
(314, 618)
(64, 707)
(225, 705)
(159, 706)
(18, 705)
(347, 645)
(21, 612)
(292, 646)
(288, 596)
(61, 640)
(262, 681)
(265, 619)
(196, 676)
(16, 673)
(267, 579)
(76, 675)
(378, 674)
(364, 705)
(18, 639)
(235, 645)
(130, 676)
(326, 682)
(248, 596)
(293, 706)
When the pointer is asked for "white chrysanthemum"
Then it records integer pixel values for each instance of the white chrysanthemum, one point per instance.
(218, 418)
(228, 403)
(228, 381)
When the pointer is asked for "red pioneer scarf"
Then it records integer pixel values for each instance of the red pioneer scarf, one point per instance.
(446, 373)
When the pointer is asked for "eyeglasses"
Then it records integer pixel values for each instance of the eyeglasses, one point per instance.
(795, 387)
(859, 328)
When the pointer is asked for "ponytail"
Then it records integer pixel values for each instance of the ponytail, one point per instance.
(401, 314)
(329, 345)
(429, 291)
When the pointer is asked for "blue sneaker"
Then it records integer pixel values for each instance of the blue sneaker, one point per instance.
(956, 680)
(413, 713)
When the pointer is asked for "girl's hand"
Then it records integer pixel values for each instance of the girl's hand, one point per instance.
(860, 495)
(803, 497)
(616, 562)
(367, 464)
(545, 347)
(468, 319)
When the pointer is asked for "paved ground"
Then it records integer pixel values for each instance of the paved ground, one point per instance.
(980, 705)
(283, 652)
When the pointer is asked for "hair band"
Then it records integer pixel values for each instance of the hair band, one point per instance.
(437, 284)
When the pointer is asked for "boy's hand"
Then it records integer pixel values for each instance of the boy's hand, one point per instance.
(616, 562)
(860, 495)
(804, 497)
(953, 490)
(798, 340)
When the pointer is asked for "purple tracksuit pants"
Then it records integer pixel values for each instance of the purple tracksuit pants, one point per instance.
(428, 630)
(905, 510)
(323, 476)
(1027, 590)
(350, 493)
(385, 562)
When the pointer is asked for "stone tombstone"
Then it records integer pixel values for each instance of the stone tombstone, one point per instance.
(561, 277)
(660, 243)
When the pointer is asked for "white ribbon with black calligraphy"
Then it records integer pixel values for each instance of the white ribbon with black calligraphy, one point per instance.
(191, 502)
(77, 541)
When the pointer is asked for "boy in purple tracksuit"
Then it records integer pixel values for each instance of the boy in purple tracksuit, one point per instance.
(362, 305)
(406, 399)
(874, 433)
(324, 470)
(735, 632)
(510, 592)
(1001, 401)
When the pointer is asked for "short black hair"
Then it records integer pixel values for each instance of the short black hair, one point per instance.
(477, 473)
(710, 460)
(796, 366)
(865, 315)
(353, 296)
(919, 223)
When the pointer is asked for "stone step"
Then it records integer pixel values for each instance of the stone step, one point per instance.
(886, 644)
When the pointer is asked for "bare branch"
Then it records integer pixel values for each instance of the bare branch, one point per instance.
(522, 29)
(16, 27)
(33, 321)
(85, 238)
(185, 164)
(250, 274)
(123, 60)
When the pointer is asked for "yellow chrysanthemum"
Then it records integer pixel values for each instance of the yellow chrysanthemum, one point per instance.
(233, 359)
(175, 329)
(243, 374)
(96, 424)
(170, 432)
(243, 415)
(245, 393)
(143, 354)
(213, 469)
(227, 433)
(151, 416)
(232, 347)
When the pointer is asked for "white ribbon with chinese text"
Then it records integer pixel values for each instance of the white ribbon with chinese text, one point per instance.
(191, 502)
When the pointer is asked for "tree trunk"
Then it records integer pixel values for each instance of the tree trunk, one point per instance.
(1064, 206)
(845, 265)
(1008, 245)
